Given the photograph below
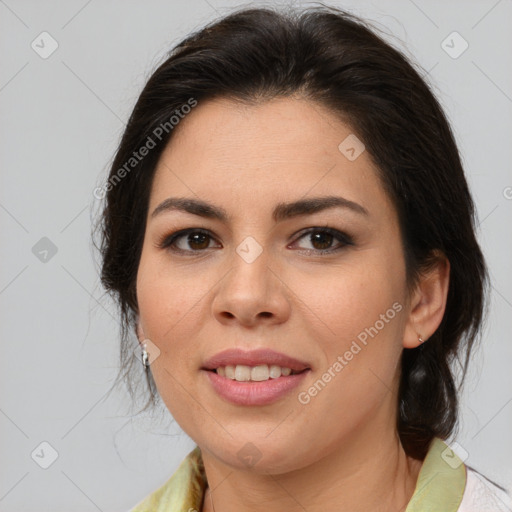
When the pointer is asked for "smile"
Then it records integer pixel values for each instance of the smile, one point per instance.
(252, 392)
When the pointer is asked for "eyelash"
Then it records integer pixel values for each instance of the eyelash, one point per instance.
(168, 241)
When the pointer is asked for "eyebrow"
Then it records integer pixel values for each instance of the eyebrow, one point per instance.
(281, 212)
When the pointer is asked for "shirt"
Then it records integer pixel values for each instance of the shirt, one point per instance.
(444, 484)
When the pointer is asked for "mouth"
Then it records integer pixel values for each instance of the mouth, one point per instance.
(253, 392)
(253, 378)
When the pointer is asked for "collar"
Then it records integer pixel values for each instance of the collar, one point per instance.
(440, 485)
(441, 481)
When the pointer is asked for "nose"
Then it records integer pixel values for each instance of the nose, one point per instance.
(252, 292)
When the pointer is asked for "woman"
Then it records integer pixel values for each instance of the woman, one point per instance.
(289, 232)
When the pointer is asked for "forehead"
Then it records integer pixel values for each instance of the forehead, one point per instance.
(281, 149)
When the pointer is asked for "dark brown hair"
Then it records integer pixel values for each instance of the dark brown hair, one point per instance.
(333, 58)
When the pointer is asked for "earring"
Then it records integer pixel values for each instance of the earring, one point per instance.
(145, 356)
(420, 339)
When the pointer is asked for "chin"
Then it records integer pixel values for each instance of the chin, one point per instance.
(260, 455)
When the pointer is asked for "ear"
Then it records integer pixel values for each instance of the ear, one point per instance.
(428, 302)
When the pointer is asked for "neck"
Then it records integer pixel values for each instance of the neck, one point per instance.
(364, 473)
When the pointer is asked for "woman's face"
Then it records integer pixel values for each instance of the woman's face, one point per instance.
(268, 276)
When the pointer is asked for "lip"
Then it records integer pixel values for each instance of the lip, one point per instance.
(254, 393)
(251, 392)
(256, 357)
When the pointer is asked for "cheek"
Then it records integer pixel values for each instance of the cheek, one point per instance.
(351, 298)
(359, 317)
(168, 308)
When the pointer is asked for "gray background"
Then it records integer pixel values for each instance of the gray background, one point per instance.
(61, 120)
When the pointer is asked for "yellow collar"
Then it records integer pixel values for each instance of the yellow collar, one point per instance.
(440, 485)
(441, 482)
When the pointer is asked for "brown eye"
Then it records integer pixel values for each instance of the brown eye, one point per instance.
(188, 240)
(321, 240)
(198, 240)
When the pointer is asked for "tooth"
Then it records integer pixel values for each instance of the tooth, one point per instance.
(242, 373)
(230, 372)
(275, 371)
(260, 372)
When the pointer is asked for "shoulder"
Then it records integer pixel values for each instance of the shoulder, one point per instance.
(482, 495)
